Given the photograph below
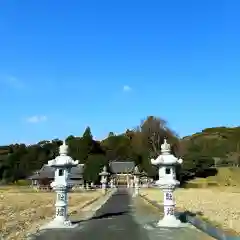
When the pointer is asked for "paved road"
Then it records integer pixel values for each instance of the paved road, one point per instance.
(122, 218)
(112, 221)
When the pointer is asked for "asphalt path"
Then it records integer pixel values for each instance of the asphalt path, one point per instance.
(114, 220)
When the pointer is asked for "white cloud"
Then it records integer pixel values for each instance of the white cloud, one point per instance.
(126, 88)
(37, 119)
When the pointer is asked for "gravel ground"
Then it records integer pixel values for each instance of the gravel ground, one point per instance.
(25, 212)
(220, 206)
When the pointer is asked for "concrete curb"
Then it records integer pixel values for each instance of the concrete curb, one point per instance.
(209, 229)
(89, 203)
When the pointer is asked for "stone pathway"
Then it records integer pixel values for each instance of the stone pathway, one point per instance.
(123, 218)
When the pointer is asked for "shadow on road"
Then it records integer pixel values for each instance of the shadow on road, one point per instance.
(107, 215)
(183, 216)
(102, 216)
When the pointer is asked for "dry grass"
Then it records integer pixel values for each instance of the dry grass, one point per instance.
(219, 205)
(226, 176)
(23, 210)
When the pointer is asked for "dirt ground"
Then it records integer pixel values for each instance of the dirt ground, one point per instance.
(23, 210)
(219, 205)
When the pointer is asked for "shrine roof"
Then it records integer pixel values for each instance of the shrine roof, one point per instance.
(48, 172)
(122, 167)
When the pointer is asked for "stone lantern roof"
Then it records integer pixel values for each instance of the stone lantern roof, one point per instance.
(136, 171)
(166, 158)
(104, 172)
(63, 159)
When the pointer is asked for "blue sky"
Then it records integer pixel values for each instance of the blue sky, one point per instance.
(65, 65)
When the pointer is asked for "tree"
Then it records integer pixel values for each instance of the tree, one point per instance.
(117, 147)
(153, 131)
(93, 167)
(87, 134)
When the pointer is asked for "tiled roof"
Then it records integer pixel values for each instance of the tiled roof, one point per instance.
(121, 167)
(76, 172)
(48, 172)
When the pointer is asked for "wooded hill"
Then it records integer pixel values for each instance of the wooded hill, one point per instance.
(18, 161)
(220, 143)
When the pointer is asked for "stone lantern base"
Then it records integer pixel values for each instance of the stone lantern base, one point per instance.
(170, 222)
(59, 224)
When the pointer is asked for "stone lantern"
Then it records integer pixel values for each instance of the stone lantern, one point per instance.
(128, 180)
(112, 185)
(168, 183)
(136, 180)
(104, 174)
(131, 182)
(62, 164)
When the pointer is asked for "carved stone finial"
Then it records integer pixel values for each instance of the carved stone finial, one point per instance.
(136, 170)
(180, 161)
(165, 147)
(63, 149)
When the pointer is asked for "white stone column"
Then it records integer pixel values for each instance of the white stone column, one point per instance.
(61, 204)
(131, 183)
(148, 182)
(104, 175)
(61, 208)
(104, 184)
(128, 181)
(136, 185)
(112, 183)
(169, 204)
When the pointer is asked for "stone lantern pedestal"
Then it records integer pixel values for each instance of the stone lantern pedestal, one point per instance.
(62, 164)
(104, 174)
(131, 182)
(128, 181)
(167, 183)
(169, 219)
(112, 184)
(136, 180)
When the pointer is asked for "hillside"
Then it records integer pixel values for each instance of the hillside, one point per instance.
(220, 143)
(219, 133)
